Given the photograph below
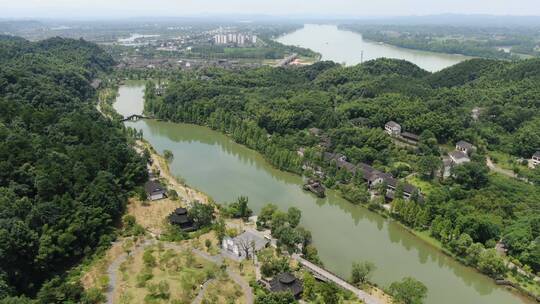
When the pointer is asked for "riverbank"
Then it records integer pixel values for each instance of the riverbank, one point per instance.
(151, 216)
(350, 48)
(211, 161)
(189, 194)
(431, 241)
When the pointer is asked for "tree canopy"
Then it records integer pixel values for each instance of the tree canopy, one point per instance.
(64, 169)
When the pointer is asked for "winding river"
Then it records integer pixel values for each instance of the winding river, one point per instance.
(342, 232)
(350, 48)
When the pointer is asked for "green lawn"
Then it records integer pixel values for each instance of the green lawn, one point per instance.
(425, 187)
(505, 161)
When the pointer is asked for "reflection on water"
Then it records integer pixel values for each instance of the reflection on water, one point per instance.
(342, 232)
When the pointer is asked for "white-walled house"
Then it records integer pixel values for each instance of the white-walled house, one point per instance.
(536, 159)
(459, 157)
(154, 190)
(392, 128)
(464, 147)
(249, 242)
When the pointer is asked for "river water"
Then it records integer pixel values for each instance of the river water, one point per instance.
(342, 232)
(346, 47)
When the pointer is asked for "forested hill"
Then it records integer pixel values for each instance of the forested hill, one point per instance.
(275, 111)
(64, 169)
(326, 95)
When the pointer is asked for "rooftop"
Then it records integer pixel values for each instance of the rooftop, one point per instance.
(250, 236)
(180, 217)
(458, 155)
(286, 282)
(410, 135)
(392, 124)
(368, 172)
(464, 144)
(153, 187)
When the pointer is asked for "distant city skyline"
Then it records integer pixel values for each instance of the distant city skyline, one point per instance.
(76, 9)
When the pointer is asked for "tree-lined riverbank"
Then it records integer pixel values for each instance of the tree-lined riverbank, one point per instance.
(213, 163)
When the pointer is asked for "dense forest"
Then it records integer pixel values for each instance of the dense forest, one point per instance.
(64, 169)
(485, 42)
(326, 107)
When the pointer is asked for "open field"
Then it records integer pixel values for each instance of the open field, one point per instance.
(158, 275)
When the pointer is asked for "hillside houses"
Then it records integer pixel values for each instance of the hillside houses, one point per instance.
(371, 176)
(461, 154)
(465, 147)
(458, 157)
(394, 129)
(535, 159)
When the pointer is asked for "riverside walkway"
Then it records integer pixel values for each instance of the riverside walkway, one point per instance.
(362, 295)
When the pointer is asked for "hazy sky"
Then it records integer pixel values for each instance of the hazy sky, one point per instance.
(130, 8)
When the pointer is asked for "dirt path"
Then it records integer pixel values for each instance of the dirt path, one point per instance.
(200, 295)
(113, 268)
(493, 167)
(217, 259)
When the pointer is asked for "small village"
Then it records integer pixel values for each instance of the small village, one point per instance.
(374, 178)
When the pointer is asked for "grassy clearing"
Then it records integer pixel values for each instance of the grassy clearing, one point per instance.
(95, 276)
(506, 161)
(223, 291)
(152, 215)
(207, 242)
(159, 275)
(425, 187)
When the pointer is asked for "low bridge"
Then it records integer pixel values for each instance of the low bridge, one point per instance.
(320, 272)
(285, 61)
(134, 117)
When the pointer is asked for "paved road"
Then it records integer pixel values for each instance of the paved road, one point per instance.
(218, 259)
(362, 295)
(243, 284)
(113, 268)
(200, 296)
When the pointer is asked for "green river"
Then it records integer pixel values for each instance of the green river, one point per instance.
(342, 232)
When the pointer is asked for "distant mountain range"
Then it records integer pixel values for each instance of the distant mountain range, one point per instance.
(442, 19)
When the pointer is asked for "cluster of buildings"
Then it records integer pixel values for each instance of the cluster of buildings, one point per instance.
(372, 176)
(246, 245)
(462, 152)
(235, 38)
(457, 157)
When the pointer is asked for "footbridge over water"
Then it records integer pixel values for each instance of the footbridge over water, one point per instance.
(320, 272)
(134, 117)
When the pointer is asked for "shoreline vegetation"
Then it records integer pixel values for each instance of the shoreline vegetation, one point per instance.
(464, 41)
(186, 193)
(421, 235)
(245, 132)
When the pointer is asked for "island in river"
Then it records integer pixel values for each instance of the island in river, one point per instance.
(342, 232)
